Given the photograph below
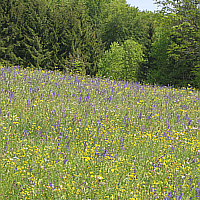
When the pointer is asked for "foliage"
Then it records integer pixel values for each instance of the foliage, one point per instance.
(149, 26)
(112, 63)
(84, 38)
(180, 23)
(119, 23)
(75, 63)
(197, 73)
(160, 69)
(53, 34)
(133, 56)
(10, 17)
(121, 61)
(43, 34)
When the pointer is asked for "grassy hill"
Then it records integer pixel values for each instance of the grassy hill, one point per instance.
(75, 137)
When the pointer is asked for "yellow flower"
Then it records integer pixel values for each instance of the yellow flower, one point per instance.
(86, 158)
(99, 178)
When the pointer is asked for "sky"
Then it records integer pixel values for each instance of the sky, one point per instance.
(143, 4)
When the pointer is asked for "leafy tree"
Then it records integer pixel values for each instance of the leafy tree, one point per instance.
(118, 24)
(160, 68)
(121, 61)
(148, 39)
(95, 10)
(180, 22)
(132, 58)
(112, 64)
(122, 22)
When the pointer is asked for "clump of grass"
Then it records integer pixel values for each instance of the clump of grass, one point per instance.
(76, 137)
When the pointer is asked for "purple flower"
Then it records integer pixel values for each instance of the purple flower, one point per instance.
(6, 146)
(169, 195)
(178, 118)
(150, 189)
(140, 117)
(85, 145)
(80, 100)
(51, 185)
(68, 145)
(191, 187)
(197, 192)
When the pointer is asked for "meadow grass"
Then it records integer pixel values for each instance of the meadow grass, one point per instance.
(76, 137)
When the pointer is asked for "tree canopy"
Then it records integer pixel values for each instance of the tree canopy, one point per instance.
(176, 48)
(107, 37)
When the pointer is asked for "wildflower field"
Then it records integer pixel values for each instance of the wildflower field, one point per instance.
(75, 137)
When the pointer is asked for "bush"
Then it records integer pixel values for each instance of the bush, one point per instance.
(121, 62)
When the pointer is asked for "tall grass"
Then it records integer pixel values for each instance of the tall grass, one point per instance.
(75, 137)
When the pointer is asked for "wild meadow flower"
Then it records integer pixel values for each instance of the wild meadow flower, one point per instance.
(76, 137)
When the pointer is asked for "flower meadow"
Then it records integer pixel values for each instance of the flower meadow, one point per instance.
(66, 136)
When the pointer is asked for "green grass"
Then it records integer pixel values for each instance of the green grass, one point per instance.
(75, 137)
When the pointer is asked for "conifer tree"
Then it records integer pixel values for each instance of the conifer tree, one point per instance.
(10, 16)
(32, 49)
(83, 38)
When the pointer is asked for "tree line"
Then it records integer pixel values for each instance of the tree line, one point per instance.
(104, 37)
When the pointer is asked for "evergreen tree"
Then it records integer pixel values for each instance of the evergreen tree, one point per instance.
(55, 39)
(83, 38)
(10, 16)
(32, 49)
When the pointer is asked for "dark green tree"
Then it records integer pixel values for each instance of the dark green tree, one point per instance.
(149, 30)
(159, 70)
(180, 22)
(83, 39)
(10, 19)
(119, 23)
(56, 37)
(33, 47)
